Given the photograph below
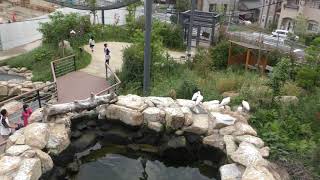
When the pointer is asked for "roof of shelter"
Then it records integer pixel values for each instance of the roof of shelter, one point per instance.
(247, 45)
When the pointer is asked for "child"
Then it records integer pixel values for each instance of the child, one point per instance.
(5, 126)
(106, 53)
(91, 43)
(26, 113)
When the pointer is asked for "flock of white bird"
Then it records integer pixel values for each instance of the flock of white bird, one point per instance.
(199, 98)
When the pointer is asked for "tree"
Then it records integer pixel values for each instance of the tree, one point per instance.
(313, 53)
(183, 5)
(93, 4)
(300, 26)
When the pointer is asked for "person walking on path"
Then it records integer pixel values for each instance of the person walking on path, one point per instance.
(91, 43)
(6, 128)
(106, 57)
(26, 113)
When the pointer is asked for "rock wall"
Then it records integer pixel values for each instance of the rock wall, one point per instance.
(214, 125)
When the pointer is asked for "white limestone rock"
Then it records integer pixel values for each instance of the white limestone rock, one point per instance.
(231, 171)
(30, 169)
(250, 139)
(36, 135)
(156, 126)
(174, 118)
(257, 173)
(154, 114)
(16, 135)
(212, 106)
(132, 101)
(186, 103)
(16, 150)
(58, 138)
(126, 115)
(9, 165)
(231, 145)
(265, 151)
(221, 120)
(46, 161)
(200, 124)
(163, 101)
(214, 140)
(227, 130)
(4, 90)
(243, 129)
(248, 155)
(187, 116)
(12, 106)
(36, 116)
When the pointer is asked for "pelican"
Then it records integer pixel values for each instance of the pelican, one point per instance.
(240, 109)
(199, 99)
(246, 106)
(195, 95)
(225, 101)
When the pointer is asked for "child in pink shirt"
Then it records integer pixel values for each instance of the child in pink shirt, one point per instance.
(26, 113)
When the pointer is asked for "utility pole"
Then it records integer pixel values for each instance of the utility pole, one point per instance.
(147, 46)
(193, 4)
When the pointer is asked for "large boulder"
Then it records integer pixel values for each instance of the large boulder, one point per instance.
(214, 140)
(186, 103)
(243, 129)
(154, 114)
(221, 120)
(156, 126)
(231, 145)
(250, 139)
(36, 116)
(163, 101)
(36, 135)
(265, 151)
(261, 172)
(212, 106)
(132, 101)
(248, 155)
(128, 116)
(46, 161)
(187, 116)
(231, 172)
(13, 106)
(58, 138)
(4, 90)
(200, 124)
(174, 118)
(15, 91)
(16, 150)
(16, 135)
(227, 130)
(30, 169)
(9, 165)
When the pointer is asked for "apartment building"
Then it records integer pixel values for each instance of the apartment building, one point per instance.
(290, 9)
(221, 6)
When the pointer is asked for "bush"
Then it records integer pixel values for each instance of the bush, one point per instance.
(219, 54)
(274, 57)
(171, 35)
(281, 73)
(186, 89)
(290, 89)
(308, 78)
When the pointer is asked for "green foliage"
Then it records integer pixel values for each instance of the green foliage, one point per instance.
(220, 52)
(290, 89)
(183, 5)
(274, 57)
(131, 17)
(60, 25)
(313, 52)
(186, 89)
(308, 78)
(310, 37)
(300, 27)
(280, 74)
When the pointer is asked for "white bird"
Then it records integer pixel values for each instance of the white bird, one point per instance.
(195, 95)
(199, 99)
(247, 22)
(246, 106)
(240, 109)
(72, 32)
(225, 101)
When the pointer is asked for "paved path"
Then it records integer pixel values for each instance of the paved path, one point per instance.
(79, 85)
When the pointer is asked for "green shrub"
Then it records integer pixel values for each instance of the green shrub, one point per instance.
(220, 52)
(186, 89)
(274, 57)
(290, 89)
(308, 78)
(281, 73)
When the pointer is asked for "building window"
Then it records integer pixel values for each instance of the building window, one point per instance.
(225, 8)
(212, 7)
(313, 27)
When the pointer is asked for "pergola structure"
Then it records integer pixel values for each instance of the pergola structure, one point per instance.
(247, 58)
(200, 20)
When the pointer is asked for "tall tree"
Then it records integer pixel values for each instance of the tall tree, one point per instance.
(183, 5)
(300, 25)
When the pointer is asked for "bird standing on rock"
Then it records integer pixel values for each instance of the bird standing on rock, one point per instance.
(197, 97)
(225, 101)
(246, 106)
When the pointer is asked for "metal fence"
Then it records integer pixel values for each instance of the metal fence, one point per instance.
(63, 66)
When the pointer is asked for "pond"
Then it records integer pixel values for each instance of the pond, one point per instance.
(120, 163)
(7, 77)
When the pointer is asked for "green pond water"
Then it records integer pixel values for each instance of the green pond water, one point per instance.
(116, 162)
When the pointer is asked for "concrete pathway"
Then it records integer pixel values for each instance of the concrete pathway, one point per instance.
(96, 67)
(19, 50)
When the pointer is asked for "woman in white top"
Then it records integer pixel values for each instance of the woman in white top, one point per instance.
(5, 127)
(91, 43)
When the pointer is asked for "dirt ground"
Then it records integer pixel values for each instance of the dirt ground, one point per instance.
(96, 66)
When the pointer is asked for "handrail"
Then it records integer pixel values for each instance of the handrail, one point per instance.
(113, 86)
